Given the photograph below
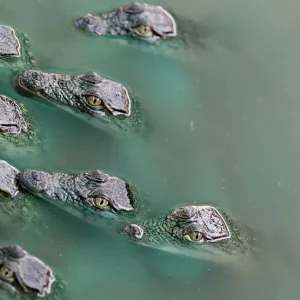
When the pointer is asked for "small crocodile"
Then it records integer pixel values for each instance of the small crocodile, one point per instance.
(139, 20)
(87, 195)
(183, 37)
(24, 275)
(201, 232)
(89, 93)
(13, 50)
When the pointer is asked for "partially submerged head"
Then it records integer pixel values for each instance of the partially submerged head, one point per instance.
(21, 272)
(88, 92)
(139, 20)
(9, 43)
(94, 192)
(197, 231)
(11, 117)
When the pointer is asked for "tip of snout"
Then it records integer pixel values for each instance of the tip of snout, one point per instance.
(133, 231)
(22, 79)
(27, 182)
(83, 21)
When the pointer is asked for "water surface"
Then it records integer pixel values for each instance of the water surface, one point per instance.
(223, 130)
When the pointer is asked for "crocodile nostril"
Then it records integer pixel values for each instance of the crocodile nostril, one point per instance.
(35, 75)
(87, 20)
(36, 176)
(134, 231)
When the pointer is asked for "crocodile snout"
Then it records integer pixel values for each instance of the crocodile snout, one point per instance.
(32, 181)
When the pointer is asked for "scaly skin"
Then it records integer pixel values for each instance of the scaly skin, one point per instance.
(88, 93)
(198, 231)
(87, 195)
(16, 130)
(25, 276)
(138, 20)
(13, 52)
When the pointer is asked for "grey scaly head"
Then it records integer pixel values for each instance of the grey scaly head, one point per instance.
(8, 179)
(139, 20)
(22, 273)
(11, 117)
(198, 231)
(89, 92)
(17, 133)
(86, 195)
(9, 43)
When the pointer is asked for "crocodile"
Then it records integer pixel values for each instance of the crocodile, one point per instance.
(13, 50)
(17, 133)
(183, 38)
(138, 20)
(86, 195)
(202, 232)
(87, 93)
(25, 276)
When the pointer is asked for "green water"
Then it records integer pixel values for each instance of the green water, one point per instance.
(223, 130)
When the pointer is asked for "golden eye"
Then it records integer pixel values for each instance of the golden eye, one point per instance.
(143, 29)
(7, 274)
(100, 202)
(94, 101)
(195, 236)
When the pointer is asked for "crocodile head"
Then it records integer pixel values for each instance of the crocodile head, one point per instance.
(86, 195)
(22, 273)
(196, 231)
(9, 43)
(88, 92)
(11, 118)
(139, 20)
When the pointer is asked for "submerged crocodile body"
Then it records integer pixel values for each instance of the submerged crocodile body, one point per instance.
(201, 232)
(89, 93)
(139, 20)
(24, 276)
(16, 131)
(13, 53)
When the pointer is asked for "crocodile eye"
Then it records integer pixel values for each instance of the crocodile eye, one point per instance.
(7, 274)
(94, 101)
(100, 202)
(195, 236)
(143, 29)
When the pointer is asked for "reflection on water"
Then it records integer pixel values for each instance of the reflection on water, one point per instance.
(222, 130)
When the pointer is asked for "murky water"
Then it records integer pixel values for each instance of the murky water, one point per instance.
(222, 130)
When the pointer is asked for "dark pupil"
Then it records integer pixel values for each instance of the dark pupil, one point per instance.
(101, 202)
(6, 273)
(197, 236)
(94, 101)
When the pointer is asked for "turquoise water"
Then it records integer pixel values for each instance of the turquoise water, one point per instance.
(223, 130)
